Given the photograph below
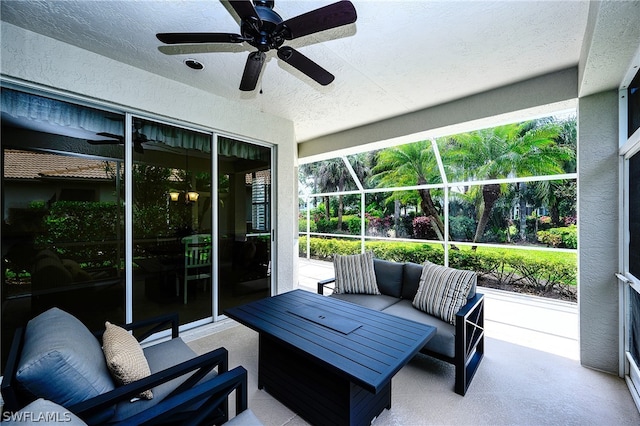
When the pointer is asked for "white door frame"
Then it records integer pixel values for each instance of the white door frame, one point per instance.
(629, 147)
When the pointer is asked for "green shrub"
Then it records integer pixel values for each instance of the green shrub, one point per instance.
(566, 237)
(302, 225)
(525, 268)
(353, 224)
(462, 228)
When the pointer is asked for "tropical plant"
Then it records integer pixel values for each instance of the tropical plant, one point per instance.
(407, 165)
(333, 175)
(501, 152)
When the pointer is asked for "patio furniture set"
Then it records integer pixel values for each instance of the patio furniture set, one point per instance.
(330, 359)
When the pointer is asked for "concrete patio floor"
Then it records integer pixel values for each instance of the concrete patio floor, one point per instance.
(530, 374)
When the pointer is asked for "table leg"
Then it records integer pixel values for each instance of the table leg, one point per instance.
(315, 393)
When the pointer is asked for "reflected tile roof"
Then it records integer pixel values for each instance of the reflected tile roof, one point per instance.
(36, 165)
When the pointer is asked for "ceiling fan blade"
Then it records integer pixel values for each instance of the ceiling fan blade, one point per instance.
(305, 65)
(137, 147)
(246, 11)
(111, 135)
(104, 142)
(252, 71)
(193, 38)
(324, 18)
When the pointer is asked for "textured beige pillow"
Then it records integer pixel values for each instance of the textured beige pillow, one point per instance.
(355, 274)
(443, 291)
(124, 356)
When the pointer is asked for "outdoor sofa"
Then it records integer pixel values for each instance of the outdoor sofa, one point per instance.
(56, 360)
(459, 339)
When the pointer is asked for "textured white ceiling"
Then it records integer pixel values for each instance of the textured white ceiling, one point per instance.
(399, 56)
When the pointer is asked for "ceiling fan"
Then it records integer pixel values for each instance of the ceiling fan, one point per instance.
(264, 29)
(138, 139)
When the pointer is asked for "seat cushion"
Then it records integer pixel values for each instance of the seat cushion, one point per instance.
(444, 340)
(124, 356)
(160, 357)
(355, 274)
(443, 291)
(376, 302)
(42, 412)
(388, 277)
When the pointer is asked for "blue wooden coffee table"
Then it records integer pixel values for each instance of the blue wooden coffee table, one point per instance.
(328, 360)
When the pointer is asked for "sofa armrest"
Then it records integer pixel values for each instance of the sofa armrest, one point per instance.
(323, 283)
(469, 343)
(200, 365)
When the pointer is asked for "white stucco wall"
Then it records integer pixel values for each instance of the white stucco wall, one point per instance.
(598, 230)
(31, 58)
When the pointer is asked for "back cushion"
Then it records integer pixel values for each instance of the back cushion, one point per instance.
(388, 277)
(61, 360)
(411, 280)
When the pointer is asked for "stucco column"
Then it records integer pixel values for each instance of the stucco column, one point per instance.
(598, 230)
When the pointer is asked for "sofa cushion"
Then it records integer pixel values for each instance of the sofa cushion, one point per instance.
(61, 360)
(388, 277)
(376, 302)
(444, 340)
(355, 274)
(410, 280)
(124, 357)
(443, 291)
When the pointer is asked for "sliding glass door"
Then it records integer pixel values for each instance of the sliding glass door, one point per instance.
(63, 214)
(244, 222)
(630, 197)
(116, 217)
(171, 209)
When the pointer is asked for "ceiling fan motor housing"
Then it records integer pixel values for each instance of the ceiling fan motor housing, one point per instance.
(267, 34)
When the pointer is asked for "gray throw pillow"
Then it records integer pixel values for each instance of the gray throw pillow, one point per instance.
(355, 274)
(443, 291)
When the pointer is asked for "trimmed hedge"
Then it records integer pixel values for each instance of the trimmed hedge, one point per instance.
(519, 268)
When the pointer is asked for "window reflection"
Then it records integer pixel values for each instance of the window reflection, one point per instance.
(62, 229)
(171, 222)
(244, 222)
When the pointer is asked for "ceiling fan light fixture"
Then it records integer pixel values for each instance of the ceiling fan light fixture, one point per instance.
(193, 64)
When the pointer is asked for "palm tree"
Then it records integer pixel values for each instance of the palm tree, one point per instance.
(506, 151)
(411, 164)
(333, 175)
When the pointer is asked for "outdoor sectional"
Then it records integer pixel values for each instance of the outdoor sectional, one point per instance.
(461, 344)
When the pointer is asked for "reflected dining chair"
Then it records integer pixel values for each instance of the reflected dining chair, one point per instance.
(197, 262)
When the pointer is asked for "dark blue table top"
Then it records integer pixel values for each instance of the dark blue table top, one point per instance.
(366, 346)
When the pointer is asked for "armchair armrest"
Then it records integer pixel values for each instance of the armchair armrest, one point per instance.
(201, 365)
(323, 283)
(154, 325)
(469, 341)
(8, 386)
(214, 392)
